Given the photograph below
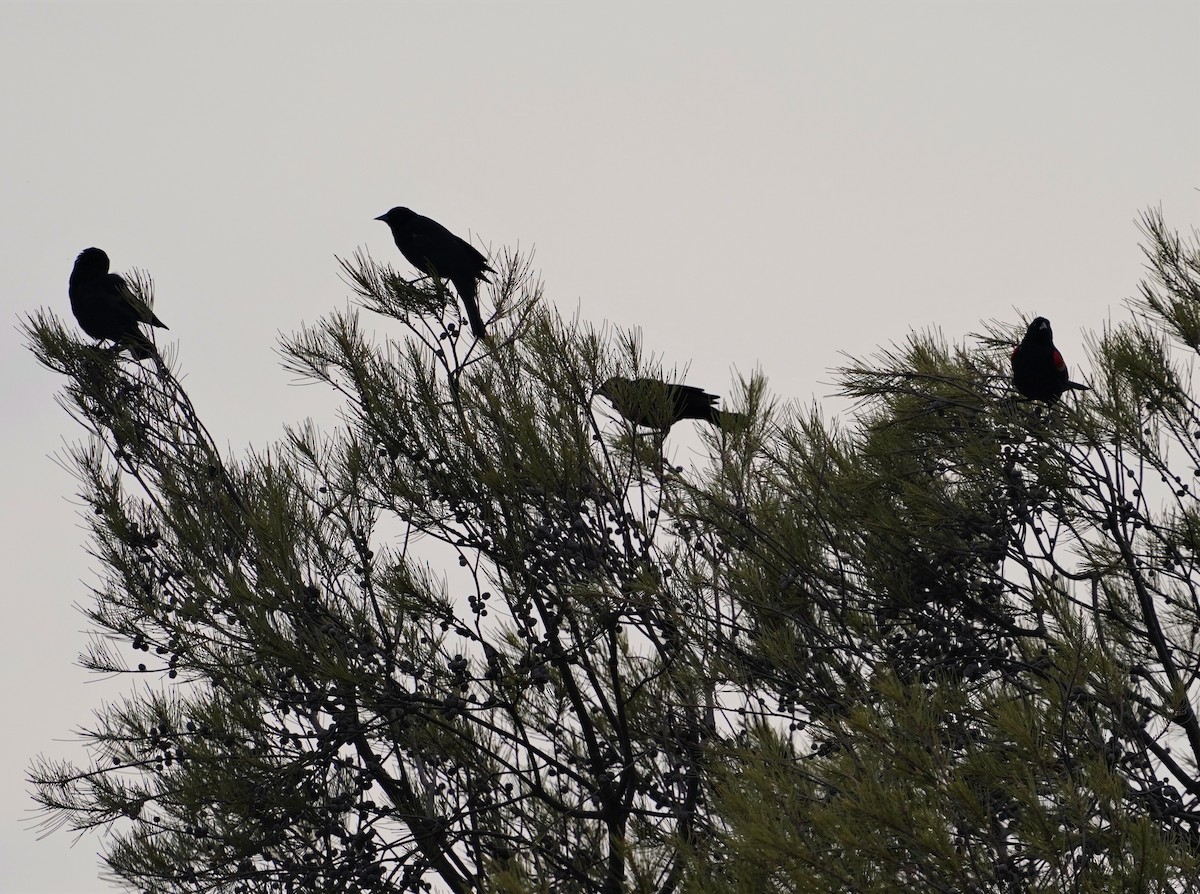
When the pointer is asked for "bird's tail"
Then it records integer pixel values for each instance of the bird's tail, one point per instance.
(467, 288)
(139, 347)
(1075, 386)
(727, 421)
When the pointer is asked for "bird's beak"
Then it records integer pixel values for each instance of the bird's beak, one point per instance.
(382, 217)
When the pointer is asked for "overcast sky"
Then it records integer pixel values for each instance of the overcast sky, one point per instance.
(754, 185)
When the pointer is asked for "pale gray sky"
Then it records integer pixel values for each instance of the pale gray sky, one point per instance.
(799, 179)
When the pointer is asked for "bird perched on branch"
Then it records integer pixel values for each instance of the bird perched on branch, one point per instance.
(659, 405)
(107, 308)
(1039, 372)
(435, 251)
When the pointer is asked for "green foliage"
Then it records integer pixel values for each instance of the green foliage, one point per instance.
(950, 644)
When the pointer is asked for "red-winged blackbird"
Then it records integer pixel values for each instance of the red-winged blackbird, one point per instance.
(1039, 372)
(659, 405)
(106, 307)
(435, 251)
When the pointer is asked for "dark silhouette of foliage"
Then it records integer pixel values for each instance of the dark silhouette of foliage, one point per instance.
(948, 645)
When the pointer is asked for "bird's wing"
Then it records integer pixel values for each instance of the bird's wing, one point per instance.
(416, 238)
(469, 256)
(125, 293)
(418, 233)
(426, 244)
(691, 392)
(479, 257)
(438, 248)
(1059, 363)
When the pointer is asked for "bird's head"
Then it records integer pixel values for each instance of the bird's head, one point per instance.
(91, 262)
(395, 216)
(1039, 330)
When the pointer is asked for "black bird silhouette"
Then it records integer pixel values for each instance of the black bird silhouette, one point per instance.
(435, 251)
(1039, 371)
(107, 308)
(659, 405)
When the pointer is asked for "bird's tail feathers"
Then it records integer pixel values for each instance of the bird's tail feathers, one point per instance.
(139, 347)
(476, 321)
(1075, 386)
(467, 288)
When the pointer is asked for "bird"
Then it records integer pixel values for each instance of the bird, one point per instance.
(435, 251)
(1039, 372)
(107, 308)
(659, 405)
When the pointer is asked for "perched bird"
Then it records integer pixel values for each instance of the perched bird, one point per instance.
(107, 308)
(659, 405)
(435, 251)
(1039, 372)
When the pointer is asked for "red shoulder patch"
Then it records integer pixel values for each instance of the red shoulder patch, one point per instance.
(1059, 364)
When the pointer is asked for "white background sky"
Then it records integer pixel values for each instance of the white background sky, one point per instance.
(755, 185)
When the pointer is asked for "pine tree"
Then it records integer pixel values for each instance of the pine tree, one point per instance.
(486, 635)
(974, 622)
(315, 707)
